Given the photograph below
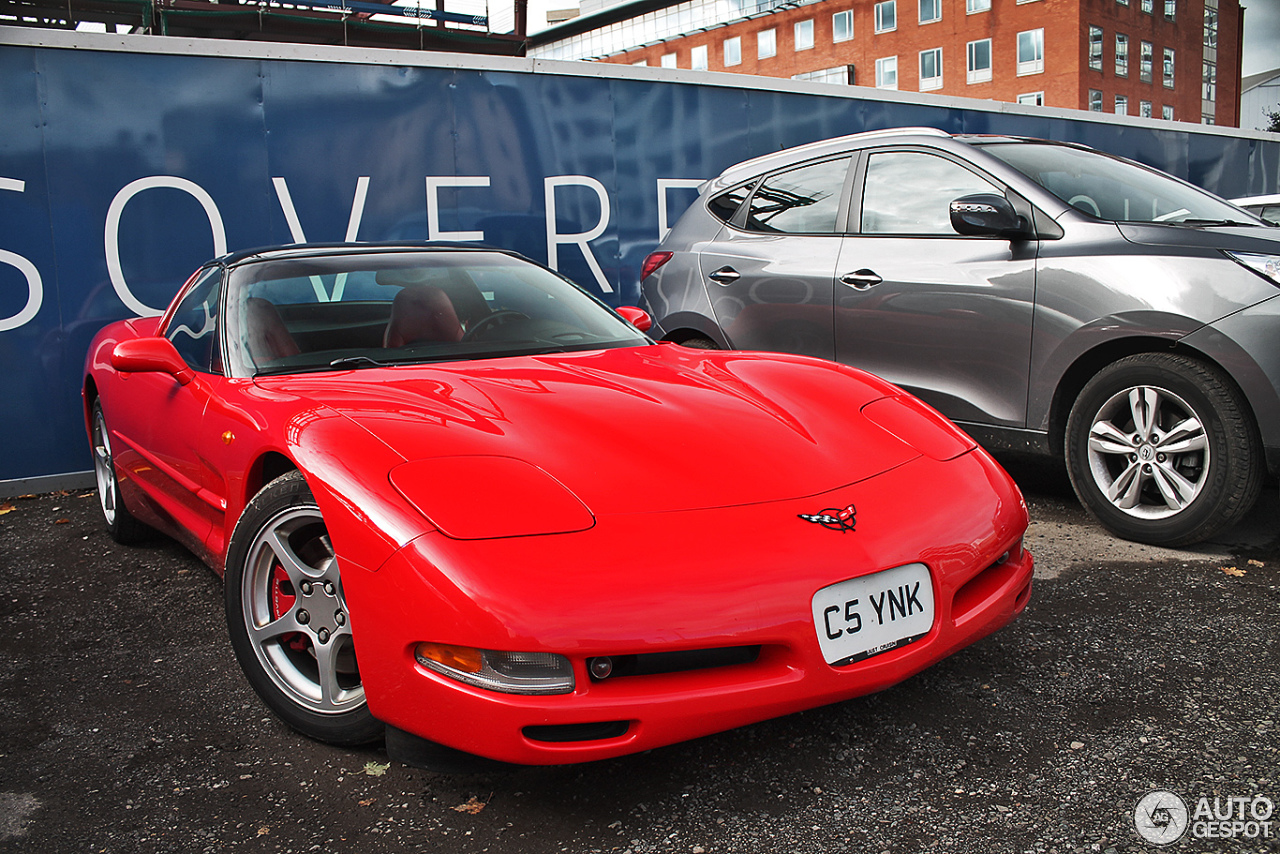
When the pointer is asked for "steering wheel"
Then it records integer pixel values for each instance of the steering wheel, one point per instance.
(1081, 201)
(497, 318)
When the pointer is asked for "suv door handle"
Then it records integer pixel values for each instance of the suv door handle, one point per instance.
(861, 280)
(724, 276)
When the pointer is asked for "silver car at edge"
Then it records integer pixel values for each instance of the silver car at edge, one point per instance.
(1045, 296)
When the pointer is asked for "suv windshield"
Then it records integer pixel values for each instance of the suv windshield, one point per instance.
(371, 309)
(1114, 189)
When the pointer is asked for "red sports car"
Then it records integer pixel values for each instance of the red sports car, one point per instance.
(461, 502)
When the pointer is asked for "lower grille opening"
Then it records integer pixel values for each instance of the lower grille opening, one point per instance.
(651, 663)
(978, 590)
(577, 732)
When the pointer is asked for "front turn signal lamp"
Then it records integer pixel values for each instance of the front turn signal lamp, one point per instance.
(494, 670)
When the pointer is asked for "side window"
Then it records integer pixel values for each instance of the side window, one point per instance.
(726, 204)
(193, 329)
(801, 201)
(910, 192)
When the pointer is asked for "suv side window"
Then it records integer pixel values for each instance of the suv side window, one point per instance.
(800, 201)
(910, 192)
(193, 329)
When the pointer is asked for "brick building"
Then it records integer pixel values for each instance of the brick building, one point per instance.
(1172, 59)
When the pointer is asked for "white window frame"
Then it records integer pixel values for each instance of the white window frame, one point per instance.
(1122, 105)
(974, 7)
(698, 58)
(928, 84)
(1095, 60)
(732, 51)
(1146, 61)
(842, 20)
(936, 9)
(1144, 109)
(1034, 65)
(767, 43)
(1095, 100)
(974, 74)
(1031, 99)
(669, 60)
(1168, 70)
(1166, 113)
(892, 7)
(886, 66)
(804, 34)
(1122, 56)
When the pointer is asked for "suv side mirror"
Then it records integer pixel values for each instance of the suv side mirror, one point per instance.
(986, 215)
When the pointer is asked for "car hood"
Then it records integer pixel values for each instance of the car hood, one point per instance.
(647, 429)
(1260, 239)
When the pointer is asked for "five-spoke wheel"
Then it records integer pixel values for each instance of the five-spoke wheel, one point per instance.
(121, 524)
(288, 619)
(1161, 449)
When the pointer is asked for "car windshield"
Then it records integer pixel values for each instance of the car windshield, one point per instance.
(385, 308)
(1114, 189)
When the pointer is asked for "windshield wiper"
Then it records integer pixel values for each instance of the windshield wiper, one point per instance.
(354, 361)
(1212, 222)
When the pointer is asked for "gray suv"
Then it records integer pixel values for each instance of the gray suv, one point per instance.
(1045, 296)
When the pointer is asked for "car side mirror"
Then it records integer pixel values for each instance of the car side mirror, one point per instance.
(153, 354)
(986, 215)
(637, 317)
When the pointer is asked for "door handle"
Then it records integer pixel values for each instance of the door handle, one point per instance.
(861, 280)
(724, 276)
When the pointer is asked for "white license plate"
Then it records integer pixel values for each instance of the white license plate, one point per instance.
(866, 616)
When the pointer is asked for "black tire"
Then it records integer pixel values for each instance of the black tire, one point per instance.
(1162, 449)
(288, 619)
(698, 342)
(121, 524)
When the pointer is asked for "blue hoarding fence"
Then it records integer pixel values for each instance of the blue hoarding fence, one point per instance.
(127, 161)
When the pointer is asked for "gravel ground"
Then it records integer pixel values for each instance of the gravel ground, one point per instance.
(128, 728)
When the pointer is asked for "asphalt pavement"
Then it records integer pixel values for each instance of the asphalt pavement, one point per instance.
(127, 726)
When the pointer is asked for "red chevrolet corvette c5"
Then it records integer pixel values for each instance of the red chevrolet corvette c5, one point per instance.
(460, 502)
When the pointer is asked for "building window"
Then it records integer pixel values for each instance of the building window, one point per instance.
(1168, 68)
(972, 6)
(1144, 62)
(1170, 9)
(1210, 78)
(930, 11)
(698, 58)
(641, 62)
(1207, 119)
(1122, 2)
(1147, 6)
(1210, 27)
(887, 73)
(930, 69)
(804, 34)
(1032, 99)
(766, 44)
(1095, 100)
(1144, 109)
(733, 51)
(1095, 48)
(668, 60)
(979, 61)
(842, 26)
(886, 16)
(1031, 52)
(842, 74)
(1166, 113)
(1122, 55)
(1122, 105)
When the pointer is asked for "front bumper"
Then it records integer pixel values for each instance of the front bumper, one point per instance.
(729, 577)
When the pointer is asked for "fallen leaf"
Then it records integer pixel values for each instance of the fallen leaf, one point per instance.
(1256, 563)
(1232, 571)
(373, 769)
(264, 830)
(6, 508)
(62, 521)
(472, 807)
(367, 802)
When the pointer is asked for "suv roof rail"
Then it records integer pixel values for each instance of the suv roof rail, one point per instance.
(834, 142)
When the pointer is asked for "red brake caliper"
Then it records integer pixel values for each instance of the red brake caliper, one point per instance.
(282, 602)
